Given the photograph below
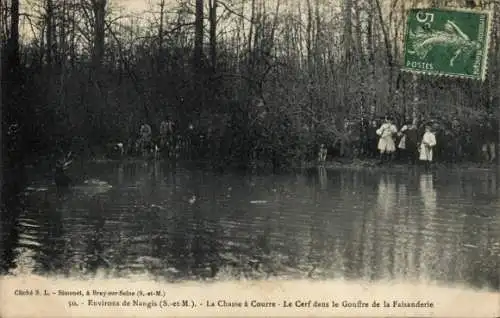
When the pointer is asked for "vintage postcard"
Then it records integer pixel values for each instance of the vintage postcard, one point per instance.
(253, 158)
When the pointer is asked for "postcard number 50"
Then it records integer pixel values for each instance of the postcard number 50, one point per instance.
(426, 18)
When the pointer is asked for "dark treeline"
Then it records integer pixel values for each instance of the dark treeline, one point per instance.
(265, 79)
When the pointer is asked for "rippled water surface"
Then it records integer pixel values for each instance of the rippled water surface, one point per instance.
(178, 223)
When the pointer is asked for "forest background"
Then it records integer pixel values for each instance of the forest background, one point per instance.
(80, 74)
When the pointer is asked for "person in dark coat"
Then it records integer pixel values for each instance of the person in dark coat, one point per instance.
(490, 139)
(372, 139)
(408, 144)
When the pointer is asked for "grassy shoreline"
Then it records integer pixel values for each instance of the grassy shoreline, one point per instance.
(375, 164)
(335, 164)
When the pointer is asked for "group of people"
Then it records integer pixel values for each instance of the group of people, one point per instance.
(147, 144)
(383, 140)
(410, 145)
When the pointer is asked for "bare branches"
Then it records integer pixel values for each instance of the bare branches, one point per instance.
(233, 12)
(322, 61)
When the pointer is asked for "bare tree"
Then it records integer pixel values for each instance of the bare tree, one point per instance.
(99, 11)
(316, 63)
(13, 127)
(50, 31)
(213, 33)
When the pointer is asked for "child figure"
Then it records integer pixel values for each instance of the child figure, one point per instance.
(426, 146)
(322, 153)
(386, 144)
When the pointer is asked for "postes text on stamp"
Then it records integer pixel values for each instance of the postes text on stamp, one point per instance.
(449, 42)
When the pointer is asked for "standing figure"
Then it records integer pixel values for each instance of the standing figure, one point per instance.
(144, 142)
(167, 138)
(408, 142)
(402, 149)
(426, 146)
(490, 136)
(386, 144)
(372, 139)
(412, 143)
(322, 153)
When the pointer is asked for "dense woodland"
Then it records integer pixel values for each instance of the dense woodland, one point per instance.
(277, 75)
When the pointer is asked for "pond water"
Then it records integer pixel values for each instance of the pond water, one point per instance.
(176, 224)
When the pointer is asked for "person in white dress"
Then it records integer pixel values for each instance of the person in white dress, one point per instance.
(386, 144)
(426, 146)
(322, 153)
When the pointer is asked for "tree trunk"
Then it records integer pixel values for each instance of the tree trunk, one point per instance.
(371, 58)
(250, 31)
(13, 152)
(198, 57)
(309, 38)
(50, 35)
(344, 107)
(98, 96)
(317, 45)
(160, 28)
(11, 72)
(347, 34)
(62, 48)
(213, 34)
(198, 36)
(496, 53)
(388, 48)
(99, 9)
(357, 28)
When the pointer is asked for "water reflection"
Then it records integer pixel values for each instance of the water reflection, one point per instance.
(179, 223)
(323, 177)
(403, 235)
(120, 175)
(428, 194)
(428, 256)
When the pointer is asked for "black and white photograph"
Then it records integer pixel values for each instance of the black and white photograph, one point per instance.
(249, 158)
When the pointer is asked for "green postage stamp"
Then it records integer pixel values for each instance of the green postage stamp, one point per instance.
(449, 42)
